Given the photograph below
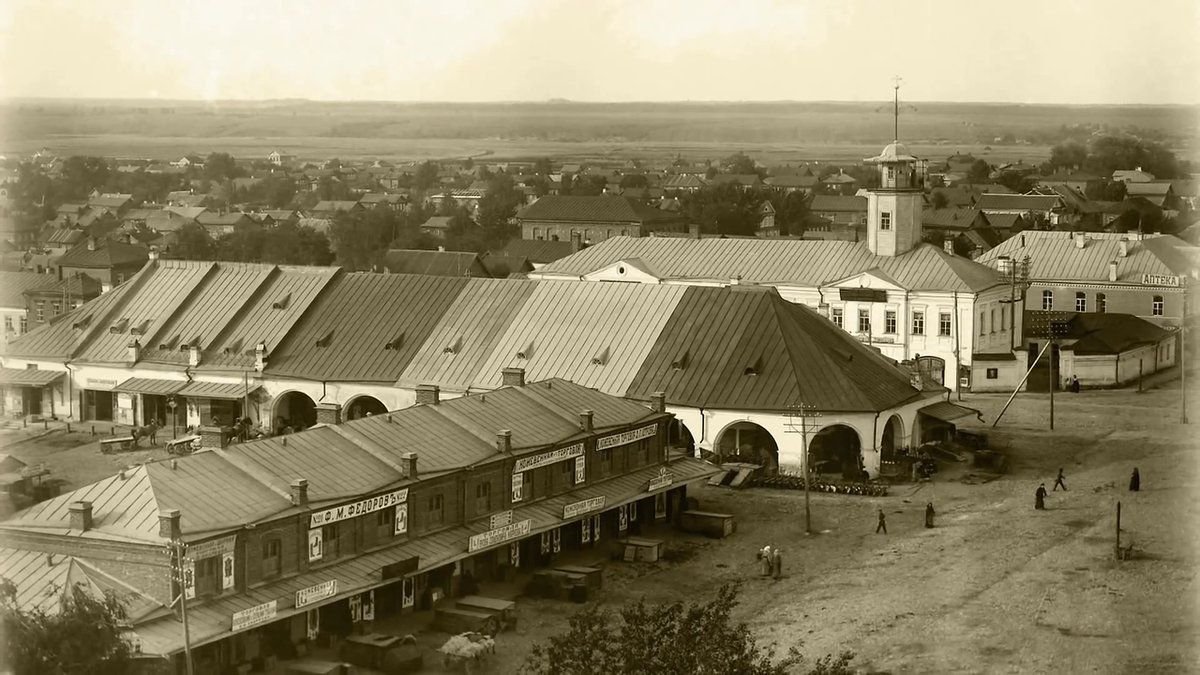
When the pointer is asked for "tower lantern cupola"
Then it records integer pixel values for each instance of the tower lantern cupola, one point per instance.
(894, 209)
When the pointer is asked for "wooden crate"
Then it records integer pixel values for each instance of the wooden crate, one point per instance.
(716, 525)
(455, 620)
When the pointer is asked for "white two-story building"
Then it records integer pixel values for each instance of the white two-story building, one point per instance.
(910, 300)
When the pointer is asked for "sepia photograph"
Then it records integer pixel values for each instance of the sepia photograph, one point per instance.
(628, 337)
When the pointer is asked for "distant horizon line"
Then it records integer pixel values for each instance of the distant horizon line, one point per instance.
(567, 101)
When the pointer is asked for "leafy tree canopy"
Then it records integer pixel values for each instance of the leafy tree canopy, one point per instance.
(667, 639)
(83, 636)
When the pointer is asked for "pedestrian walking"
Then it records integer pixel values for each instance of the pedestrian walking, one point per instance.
(1135, 481)
(1074, 385)
(765, 561)
(777, 563)
(1061, 480)
(882, 526)
(929, 515)
(1039, 498)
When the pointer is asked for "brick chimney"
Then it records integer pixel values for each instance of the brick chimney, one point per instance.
(260, 356)
(410, 464)
(329, 413)
(81, 516)
(132, 351)
(168, 524)
(212, 437)
(428, 394)
(586, 421)
(513, 377)
(193, 356)
(153, 254)
(694, 231)
(504, 441)
(658, 401)
(576, 242)
(300, 492)
(1123, 247)
(1080, 239)
(1112, 271)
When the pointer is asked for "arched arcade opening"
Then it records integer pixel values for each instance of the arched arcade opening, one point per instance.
(894, 442)
(748, 443)
(679, 438)
(362, 406)
(293, 411)
(836, 451)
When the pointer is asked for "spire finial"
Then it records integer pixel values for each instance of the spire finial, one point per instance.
(896, 107)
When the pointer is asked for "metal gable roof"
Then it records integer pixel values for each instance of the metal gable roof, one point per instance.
(594, 334)
(571, 398)
(211, 493)
(14, 284)
(345, 335)
(475, 321)
(158, 293)
(27, 377)
(61, 338)
(207, 311)
(440, 444)
(750, 349)
(1055, 255)
(307, 455)
(777, 261)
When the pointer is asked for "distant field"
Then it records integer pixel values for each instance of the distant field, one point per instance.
(772, 132)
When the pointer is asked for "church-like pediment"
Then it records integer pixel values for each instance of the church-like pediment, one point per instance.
(872, 278)
(632, 270)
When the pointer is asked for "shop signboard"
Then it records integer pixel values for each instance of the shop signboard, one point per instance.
(1160, 280)
(254, 616)
(547, 458)
(581, 507)
(627, 437)
(325, 589)
(662, 480)
(498, 536)
(358, 508)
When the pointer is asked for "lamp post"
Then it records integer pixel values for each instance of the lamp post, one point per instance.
(177, 549)
(1016, 272)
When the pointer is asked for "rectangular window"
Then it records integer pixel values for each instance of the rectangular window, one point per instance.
(944, 323)
(1047, 300)
(864, 321)
(483, 498)
(889, 322)
(918, 322)
(885, 220)
(1080, 302)
(41, 311)
(437, 510)
(1158, 306)
(383, 524)
(1003, 319)
(1101, 303)
(271, 558)
(993, 373)
(993, 323)
(838, 316)
(208, 576)
(982, 326)
(330, 543)
(8, 324)
(55, 308)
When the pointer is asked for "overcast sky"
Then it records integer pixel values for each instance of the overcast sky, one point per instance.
(1036, 51)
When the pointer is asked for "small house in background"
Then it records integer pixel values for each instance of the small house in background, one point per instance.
(280, 158)
(107, 261)
(440, 263)
(766, 221)
(43, 303)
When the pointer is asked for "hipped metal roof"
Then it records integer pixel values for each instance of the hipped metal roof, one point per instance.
(23, 377)
(319, 324)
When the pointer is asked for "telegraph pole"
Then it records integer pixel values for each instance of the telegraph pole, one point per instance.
(804, 411)
(1183, 418)
(177, 548)
(1053, 377)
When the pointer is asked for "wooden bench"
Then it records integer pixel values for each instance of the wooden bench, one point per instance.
(118, 444)
(504, 610)
(716, 525)
(455, 620)
(592, 576)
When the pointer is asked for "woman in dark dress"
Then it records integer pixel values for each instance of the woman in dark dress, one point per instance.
(1135, 481)
(929, 514)
(1039, 498)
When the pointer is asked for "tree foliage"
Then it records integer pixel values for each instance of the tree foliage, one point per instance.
(1108, 153)
(740, 163)
(83, 636)
(221, 166)
(81, 175)
(667, 639)
(980, 171)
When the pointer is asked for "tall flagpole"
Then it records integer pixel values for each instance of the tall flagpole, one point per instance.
(896, 109)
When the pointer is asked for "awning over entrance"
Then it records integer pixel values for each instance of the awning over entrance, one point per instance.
(210, 621)
(228, 392)
(948, 412)
(150, 385)
(20, 377)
